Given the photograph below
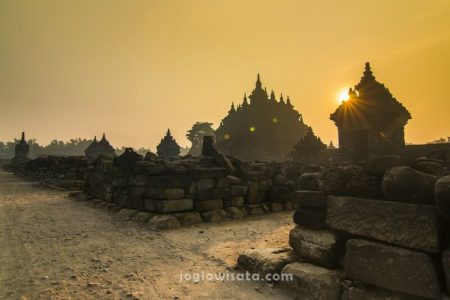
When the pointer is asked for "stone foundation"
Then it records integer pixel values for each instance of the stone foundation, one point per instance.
(378, 230)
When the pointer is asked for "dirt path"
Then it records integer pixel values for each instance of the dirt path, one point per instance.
(52, 247)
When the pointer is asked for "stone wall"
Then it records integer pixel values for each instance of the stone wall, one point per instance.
(190, 184)
(379, 230)
(68, 173)
(214, 188)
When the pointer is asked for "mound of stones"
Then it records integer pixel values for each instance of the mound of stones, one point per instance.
(67, 173)
(377, 230)
(211, 188)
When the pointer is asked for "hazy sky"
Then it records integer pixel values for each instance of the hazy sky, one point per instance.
(133, 68)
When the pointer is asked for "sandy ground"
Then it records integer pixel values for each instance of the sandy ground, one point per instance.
(52, 247)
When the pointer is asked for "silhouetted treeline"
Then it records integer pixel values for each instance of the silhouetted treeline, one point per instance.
(74, 147)
(55, 147)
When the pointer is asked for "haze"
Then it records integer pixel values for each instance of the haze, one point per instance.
(134, 68)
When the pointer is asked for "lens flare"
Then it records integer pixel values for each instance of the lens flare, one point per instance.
(343, 95)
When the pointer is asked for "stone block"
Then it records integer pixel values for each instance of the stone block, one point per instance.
(311, 282)
(205, 205)
(136, 191)
(264, 185)
(239, 190)
(312, 218)
(309, 199)
(252, 176)
(308, 181)
(206, 184)
(168, 206)
(265, 261)
(430, 167)
(379, 165)
(192, 188)
(278, 193)
(392, 268)
(409, 225)
(236, 212)
(254, 209)
(252, 195)
(214, 216)
(349, 180)
(162, 222)
(189, 218)
(275, 206)
(404, 184)
(220, 193)
(135, 203)
(320, 247)
(280, 180)
(223, 182)
(442, 194)
(164, 193)
(234, 201)
(234, 180)
(360, 291)
(203, 194)
(169, 181)
(207, 173)
(138, 180)
(120, 182)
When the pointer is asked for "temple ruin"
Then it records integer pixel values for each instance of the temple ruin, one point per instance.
(21, 150)
(371, 122)
(103, 147)
(263, 128)
(168, 146)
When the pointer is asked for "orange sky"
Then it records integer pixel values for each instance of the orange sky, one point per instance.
(77, 68)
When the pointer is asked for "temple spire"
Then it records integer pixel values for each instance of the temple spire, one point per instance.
(272, 96)
(245, 103)
(288, 101)
(258, 82)
(23, 136)
(168, 132)
(368, 74)
(281, 99)
(103, 136)
(232, 109)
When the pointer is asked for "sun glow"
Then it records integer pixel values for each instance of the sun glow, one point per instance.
(343, 95)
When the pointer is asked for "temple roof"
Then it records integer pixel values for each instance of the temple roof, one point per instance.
(168, 146)
(102, 147)
(264, 124)
(370, 105)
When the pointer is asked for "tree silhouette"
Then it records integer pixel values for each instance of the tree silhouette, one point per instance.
(195, 136)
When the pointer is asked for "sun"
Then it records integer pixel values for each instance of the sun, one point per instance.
(343, 95)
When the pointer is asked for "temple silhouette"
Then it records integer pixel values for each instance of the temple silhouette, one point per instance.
(261, 128)
(100, 148)
(168, 146)
(21, 150)
(371, 122)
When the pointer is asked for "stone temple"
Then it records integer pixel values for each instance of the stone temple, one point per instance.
(260, 129)
(168, 146)
(371, 122)
(21, 150)
(100, 148)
